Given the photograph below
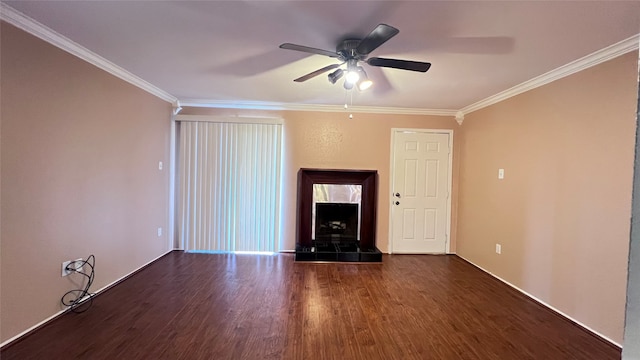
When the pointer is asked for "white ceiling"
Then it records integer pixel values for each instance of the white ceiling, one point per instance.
(226, 52)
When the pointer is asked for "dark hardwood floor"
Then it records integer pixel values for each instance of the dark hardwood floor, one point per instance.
(201, 306)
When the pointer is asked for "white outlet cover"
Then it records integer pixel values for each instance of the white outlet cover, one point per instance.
(77, 263)
(500, 173)
(65, 272)
(498, 249)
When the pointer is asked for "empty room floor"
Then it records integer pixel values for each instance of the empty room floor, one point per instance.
(224, 306)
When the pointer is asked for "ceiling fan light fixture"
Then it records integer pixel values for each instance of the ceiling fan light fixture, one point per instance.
(348, 85)
(335, 76)
(352, 77)
(363, 82)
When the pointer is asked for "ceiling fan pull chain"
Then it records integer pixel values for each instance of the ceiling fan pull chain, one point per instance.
(351, 93)
(346, 92)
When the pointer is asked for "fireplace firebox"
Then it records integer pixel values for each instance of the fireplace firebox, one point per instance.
(342, 230)
(336, 223)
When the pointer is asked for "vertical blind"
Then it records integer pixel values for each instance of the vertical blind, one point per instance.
(229, 179)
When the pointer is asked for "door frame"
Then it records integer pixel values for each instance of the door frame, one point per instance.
(449, 132)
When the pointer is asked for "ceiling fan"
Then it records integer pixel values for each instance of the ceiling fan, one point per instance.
(354, 51)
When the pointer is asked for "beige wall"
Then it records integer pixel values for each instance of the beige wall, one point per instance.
(333, 141)
(562, 211)
(80, 151)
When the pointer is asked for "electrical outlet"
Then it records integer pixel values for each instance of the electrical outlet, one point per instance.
(65, 272)
(77, 265)
(498, 249)
(159, 231)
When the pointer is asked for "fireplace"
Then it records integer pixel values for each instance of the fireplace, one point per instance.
(336, 215)
(336, 223)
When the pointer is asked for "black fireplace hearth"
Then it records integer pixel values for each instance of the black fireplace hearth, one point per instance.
(337, 252)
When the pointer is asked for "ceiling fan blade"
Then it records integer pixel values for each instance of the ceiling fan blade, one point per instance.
(309, 50)
(399, 64)
(316, 73)
(377, 37)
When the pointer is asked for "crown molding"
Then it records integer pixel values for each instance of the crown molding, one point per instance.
(593, 59)
(257, 105)
(21, 21)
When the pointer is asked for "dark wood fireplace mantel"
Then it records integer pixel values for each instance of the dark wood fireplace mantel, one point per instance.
(366, 178)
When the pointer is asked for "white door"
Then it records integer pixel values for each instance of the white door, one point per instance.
(420, 186)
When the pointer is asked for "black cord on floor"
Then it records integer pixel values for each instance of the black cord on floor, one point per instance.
(80, 300)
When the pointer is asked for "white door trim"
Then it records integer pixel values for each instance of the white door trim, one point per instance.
(449, 132)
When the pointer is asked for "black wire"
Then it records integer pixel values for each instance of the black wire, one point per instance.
(75, 299)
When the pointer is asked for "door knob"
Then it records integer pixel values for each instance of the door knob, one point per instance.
(397, 195)
(397, 202)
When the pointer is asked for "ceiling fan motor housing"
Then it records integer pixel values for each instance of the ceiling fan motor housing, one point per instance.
(347, 50)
